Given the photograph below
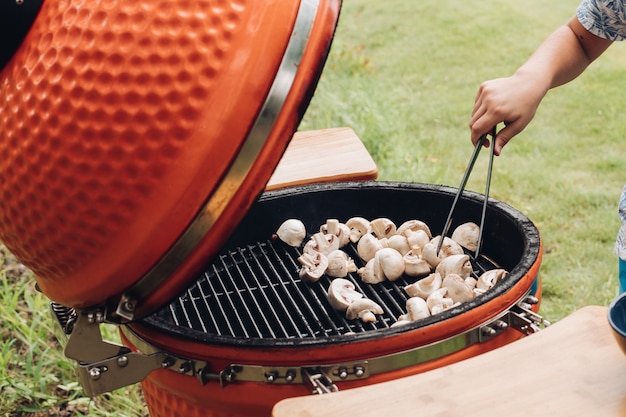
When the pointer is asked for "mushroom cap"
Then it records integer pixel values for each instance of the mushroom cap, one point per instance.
(359, 226)
(417, 308)
(383, 227)
(458, 290)
(313, 266)
(414, 265)
(425, 286)
(439, 297)
(323, 243)
(342, 293)
(340, 230)
(399, 243)
(490, 278)
(417, 239)
(449, 247)
(414, 226)
(292, 232)
(368, 246)
(467, 235)
(360, 307)
(391, 263)
(371, 273)
(455, 264)
(339, 264)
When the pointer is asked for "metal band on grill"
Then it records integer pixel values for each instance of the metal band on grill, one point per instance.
(238, 171)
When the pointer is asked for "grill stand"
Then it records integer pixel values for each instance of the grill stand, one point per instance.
(105, 366)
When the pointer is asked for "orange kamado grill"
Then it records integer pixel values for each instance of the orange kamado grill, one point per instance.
(136, 142)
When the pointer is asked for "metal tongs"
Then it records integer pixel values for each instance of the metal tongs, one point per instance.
(468, 170)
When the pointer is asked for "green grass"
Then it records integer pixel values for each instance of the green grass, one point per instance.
(403, 75)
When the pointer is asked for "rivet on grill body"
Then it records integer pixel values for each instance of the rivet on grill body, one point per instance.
(122, 361)
(359, 371)
(168, 362)
(95, 373)
(290, 376)
(488, 331)
(501, 324)
(270, 377)
(185, 367)
(342, 373)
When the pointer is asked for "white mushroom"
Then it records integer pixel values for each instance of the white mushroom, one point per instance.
(371, 272)
(466, 235)
(364, 309)
(399, 243)
(458, 290)
(455, 264)
(368, 246)
(292, 232)
(414, 265)
(340, 230)
(490, 278)
(439, 298)
(449, 247)
(339, 264)
(391, 263)
(416, 308)
(342, 293)
(383, 227)
(471, 282)
(417, 239)
(313, 266)
(414, 226)
(425, 286)
(320, 242)
(359, 227)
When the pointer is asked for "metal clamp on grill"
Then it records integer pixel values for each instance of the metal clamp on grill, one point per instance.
(104, 366)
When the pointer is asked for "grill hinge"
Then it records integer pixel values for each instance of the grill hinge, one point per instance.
(104, 366)
(317, 381)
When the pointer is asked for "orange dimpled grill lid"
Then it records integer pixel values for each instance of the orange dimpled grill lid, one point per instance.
(119, 120)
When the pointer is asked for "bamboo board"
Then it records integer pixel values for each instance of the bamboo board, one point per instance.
(572, 368)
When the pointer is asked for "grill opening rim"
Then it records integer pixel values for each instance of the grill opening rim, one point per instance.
(531, 253)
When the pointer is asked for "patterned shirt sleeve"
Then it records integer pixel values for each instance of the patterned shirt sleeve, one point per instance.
(620, 244)
(604, 18)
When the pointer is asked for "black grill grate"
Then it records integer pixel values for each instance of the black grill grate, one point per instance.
(254, 292)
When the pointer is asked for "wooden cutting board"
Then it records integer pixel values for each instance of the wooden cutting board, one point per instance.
(325, 155)
(572, 368)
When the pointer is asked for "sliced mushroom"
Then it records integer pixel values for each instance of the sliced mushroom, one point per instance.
(449, 247)
(490, 278)
(416, 308)
(292, 232)
(458, 290)
(383, 227)
(342, 293)
(364, 309)
(414, 226)
(414, 265)
(359, 226)
(323, 243)
(417, 239)
(391, 263)
(371, 272)
(425, 286)
(467, 235)
(339, 264)
(455, 264)
(313, 266)
(340, 230)
(368, 246)
(399, 243)
(439, 298)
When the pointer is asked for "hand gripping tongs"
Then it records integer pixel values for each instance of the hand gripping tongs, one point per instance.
(468, 170)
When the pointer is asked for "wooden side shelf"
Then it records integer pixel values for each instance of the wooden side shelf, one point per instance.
(326, 155)
(572, 368)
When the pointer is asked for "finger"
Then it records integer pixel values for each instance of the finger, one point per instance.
(505, 135)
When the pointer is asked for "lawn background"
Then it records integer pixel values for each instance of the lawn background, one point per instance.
(403, 75)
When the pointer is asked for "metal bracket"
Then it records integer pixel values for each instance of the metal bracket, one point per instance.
(104, 366)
